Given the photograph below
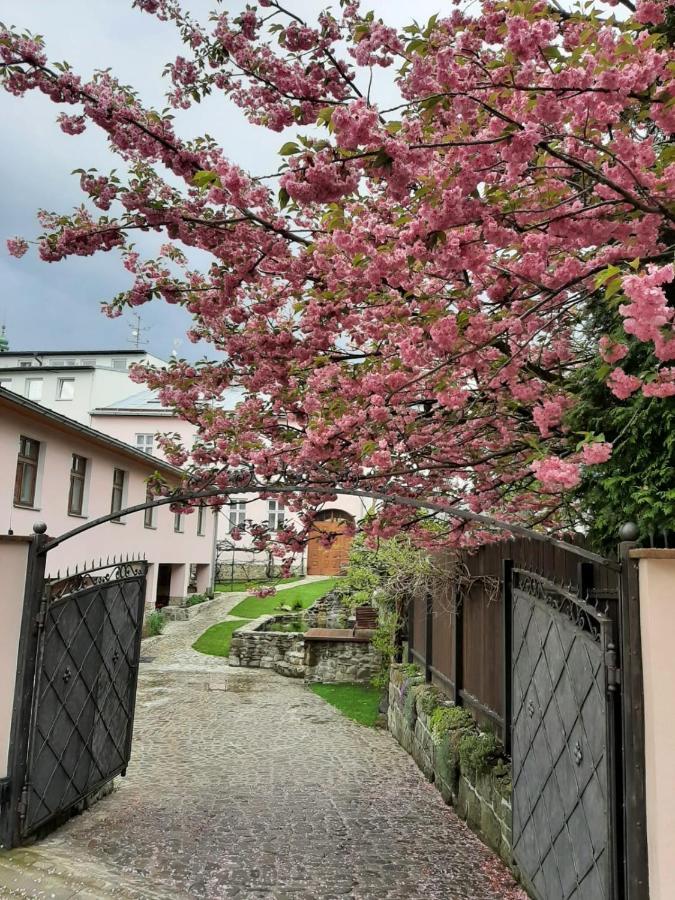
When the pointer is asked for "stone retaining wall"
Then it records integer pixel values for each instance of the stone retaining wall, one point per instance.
(479, 788)
(327, 612)
(325, 658)
(282, 651)
(340, 661)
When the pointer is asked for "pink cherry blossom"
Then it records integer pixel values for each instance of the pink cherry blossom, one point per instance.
(595, 453)
(404, 306)
(17, 247)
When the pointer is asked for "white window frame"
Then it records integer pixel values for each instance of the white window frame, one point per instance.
(237, 513)
(59, 389)
(276, 514)
(6, 383)
(201, 521)
(85, 486)
(143, 439)
(37, 381)
(123, 494)
(178, 523)
(150, 515)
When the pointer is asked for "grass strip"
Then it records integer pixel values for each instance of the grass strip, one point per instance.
(305, 594)
(216, 640)
(359, 702)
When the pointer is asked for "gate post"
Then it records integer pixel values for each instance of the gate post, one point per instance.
(429, 642)
(633, 727)
(23, 688)
(507, 612)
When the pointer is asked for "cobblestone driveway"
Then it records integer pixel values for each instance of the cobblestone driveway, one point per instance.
(245, 785)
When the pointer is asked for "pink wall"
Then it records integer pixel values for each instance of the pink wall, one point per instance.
(13, 558)
(657, 626)
(58, 442)
(125, 428)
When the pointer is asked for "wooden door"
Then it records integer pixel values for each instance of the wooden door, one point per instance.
(322, 560)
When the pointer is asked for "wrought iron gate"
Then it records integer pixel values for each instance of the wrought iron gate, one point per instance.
(75, 723)
(565, 823)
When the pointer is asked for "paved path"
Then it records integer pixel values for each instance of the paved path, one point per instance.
(243, 785)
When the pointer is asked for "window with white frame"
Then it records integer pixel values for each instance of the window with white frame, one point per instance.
(6, 383)
(178, 522)
(201, 520)
(119, 364)
(237, 514)
(275, 514)
(78, 480)
(150, 514)
(146, 443)
(118, 491)
(25, 481)
(65, 389)
(25, 364)
(34, 388)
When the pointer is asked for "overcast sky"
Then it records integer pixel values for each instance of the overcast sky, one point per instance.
(57, 305)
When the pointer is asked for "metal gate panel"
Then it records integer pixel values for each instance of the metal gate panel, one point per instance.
(85, 687)
(562, 743)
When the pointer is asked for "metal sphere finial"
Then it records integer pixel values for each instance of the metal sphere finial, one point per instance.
(629, 531)
(40, 528)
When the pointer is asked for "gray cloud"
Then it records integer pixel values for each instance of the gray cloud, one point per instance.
(57, 305)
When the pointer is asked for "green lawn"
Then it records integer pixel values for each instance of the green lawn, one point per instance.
(228, 587)
(359, 702)
(216, 640)
(252, 607)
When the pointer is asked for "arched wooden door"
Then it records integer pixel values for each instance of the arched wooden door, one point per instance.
(322, 560)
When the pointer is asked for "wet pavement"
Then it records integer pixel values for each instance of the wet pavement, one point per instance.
(244, 784)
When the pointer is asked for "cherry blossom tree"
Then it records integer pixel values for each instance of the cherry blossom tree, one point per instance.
(405, 302)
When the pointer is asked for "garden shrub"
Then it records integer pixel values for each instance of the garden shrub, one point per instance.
(196, 599)
(477, 752)
(155, 623)
(410, 670)
(445, 719)
(429, 699)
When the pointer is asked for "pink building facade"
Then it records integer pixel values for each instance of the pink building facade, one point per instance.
(63, 473)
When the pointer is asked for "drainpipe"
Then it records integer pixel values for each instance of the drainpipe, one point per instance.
(214, 551)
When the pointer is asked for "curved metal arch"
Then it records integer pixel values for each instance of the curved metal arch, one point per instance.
(454, 511)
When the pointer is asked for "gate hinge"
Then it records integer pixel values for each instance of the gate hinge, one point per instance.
(613, 671)
(42, 614)
(22, 806)
(5, 787)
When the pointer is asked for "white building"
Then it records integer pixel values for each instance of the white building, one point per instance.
(73, 382)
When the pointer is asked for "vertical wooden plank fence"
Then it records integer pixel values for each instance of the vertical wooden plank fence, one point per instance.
(461, 639)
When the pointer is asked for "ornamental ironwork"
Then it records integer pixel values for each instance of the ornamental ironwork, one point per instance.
(81, 719)
(563, 750)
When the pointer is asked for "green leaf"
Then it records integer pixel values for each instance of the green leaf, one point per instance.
(205, 179)
(283, 198)
(289, 148)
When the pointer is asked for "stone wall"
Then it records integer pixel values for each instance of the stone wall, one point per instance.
(282, 651)
(326, 658)
(336, 661)
(465, 765)
(328, 612)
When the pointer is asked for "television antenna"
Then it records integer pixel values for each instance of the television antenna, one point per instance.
(136, 337)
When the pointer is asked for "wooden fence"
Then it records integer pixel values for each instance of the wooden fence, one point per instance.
(458, 634)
